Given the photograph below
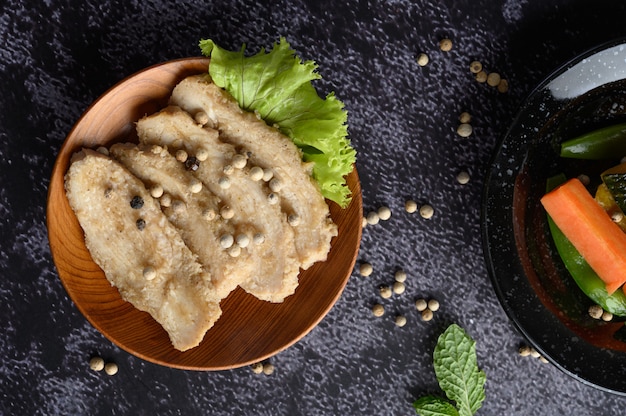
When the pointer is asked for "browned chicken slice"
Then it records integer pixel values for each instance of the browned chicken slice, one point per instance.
(139, 250)
(299, 194)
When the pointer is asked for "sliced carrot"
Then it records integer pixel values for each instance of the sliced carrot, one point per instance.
(590, 229)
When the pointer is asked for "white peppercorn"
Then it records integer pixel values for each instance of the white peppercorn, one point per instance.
(366, 269)
(421, 304)
(464, 130)
(398, 288)
(400, 320)
(422, 59)
(96, 363)
(400, 276)
(373, 218)
(111, 369)
(427, 211)
(384, 213)
(410, 206)
(385, 292)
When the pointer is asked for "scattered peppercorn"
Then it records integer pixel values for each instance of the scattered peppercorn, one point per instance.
(427, 211)
(378, 310)
(201, 118)
(242, 240)
(257, 368)
(385, 292)
(607, 316)
(156, 191)
(227, 212)
(240, 161)
(96, 363)
(256, 173)
(433, 305)
(165, 200)
(192, 163)
(464, 130)
(463, 177)
(141, 224)
(493, 79)
(595, 311)
(181, 155)
(268, 174)
(427, 315)
(410, 206)
(111, 369)
(524, 350)
(476, 67)
(400, 276)
(228, 169)
(422, 59)
(149, 273)
(136, 202)
(366, 269)
(272, 198)
(465, 117)
(421, 304)
(373, 218)
(481, 77)
(384, 213)
(398, 288)
(400, 320)
(503, 86)
(234, 251)
(293, 220)
(224, 182)
(202, 154)
(268, 369)
(445, 44)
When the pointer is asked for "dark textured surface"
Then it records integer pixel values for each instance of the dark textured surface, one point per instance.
(58, 56)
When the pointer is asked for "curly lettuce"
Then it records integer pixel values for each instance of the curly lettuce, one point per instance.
(277, 85)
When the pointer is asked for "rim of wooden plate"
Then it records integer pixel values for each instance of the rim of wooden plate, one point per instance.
(249, 330)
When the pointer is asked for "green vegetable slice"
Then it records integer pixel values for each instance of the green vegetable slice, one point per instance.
(278, 86)
(587, 280)
(605, 143)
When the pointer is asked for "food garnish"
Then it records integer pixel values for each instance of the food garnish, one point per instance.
(459, 377)
(277, 87)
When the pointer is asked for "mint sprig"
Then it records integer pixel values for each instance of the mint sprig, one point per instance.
(456, 368)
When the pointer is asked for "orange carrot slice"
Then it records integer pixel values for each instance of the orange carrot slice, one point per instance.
(590, 229)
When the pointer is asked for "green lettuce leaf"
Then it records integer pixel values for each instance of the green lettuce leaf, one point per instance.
(278, 87)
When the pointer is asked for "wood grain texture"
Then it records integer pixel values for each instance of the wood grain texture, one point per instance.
(249, 330)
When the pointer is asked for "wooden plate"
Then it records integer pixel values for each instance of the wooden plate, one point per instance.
(249, 330)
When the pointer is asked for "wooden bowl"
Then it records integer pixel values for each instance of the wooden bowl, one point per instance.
(249, 330)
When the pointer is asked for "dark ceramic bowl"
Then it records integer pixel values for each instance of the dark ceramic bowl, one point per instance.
(529, 278)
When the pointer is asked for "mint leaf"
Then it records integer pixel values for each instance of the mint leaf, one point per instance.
(277, 85)
(457, 370)
(434, 406)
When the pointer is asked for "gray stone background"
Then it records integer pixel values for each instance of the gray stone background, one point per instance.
(57, 56)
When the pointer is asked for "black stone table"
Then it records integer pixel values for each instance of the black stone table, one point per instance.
(57, 56)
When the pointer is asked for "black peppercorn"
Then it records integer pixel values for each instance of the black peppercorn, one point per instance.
(136, 202)
(141, 224)
(192, 163)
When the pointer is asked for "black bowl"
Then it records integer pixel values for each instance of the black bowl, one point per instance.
(529, 278)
